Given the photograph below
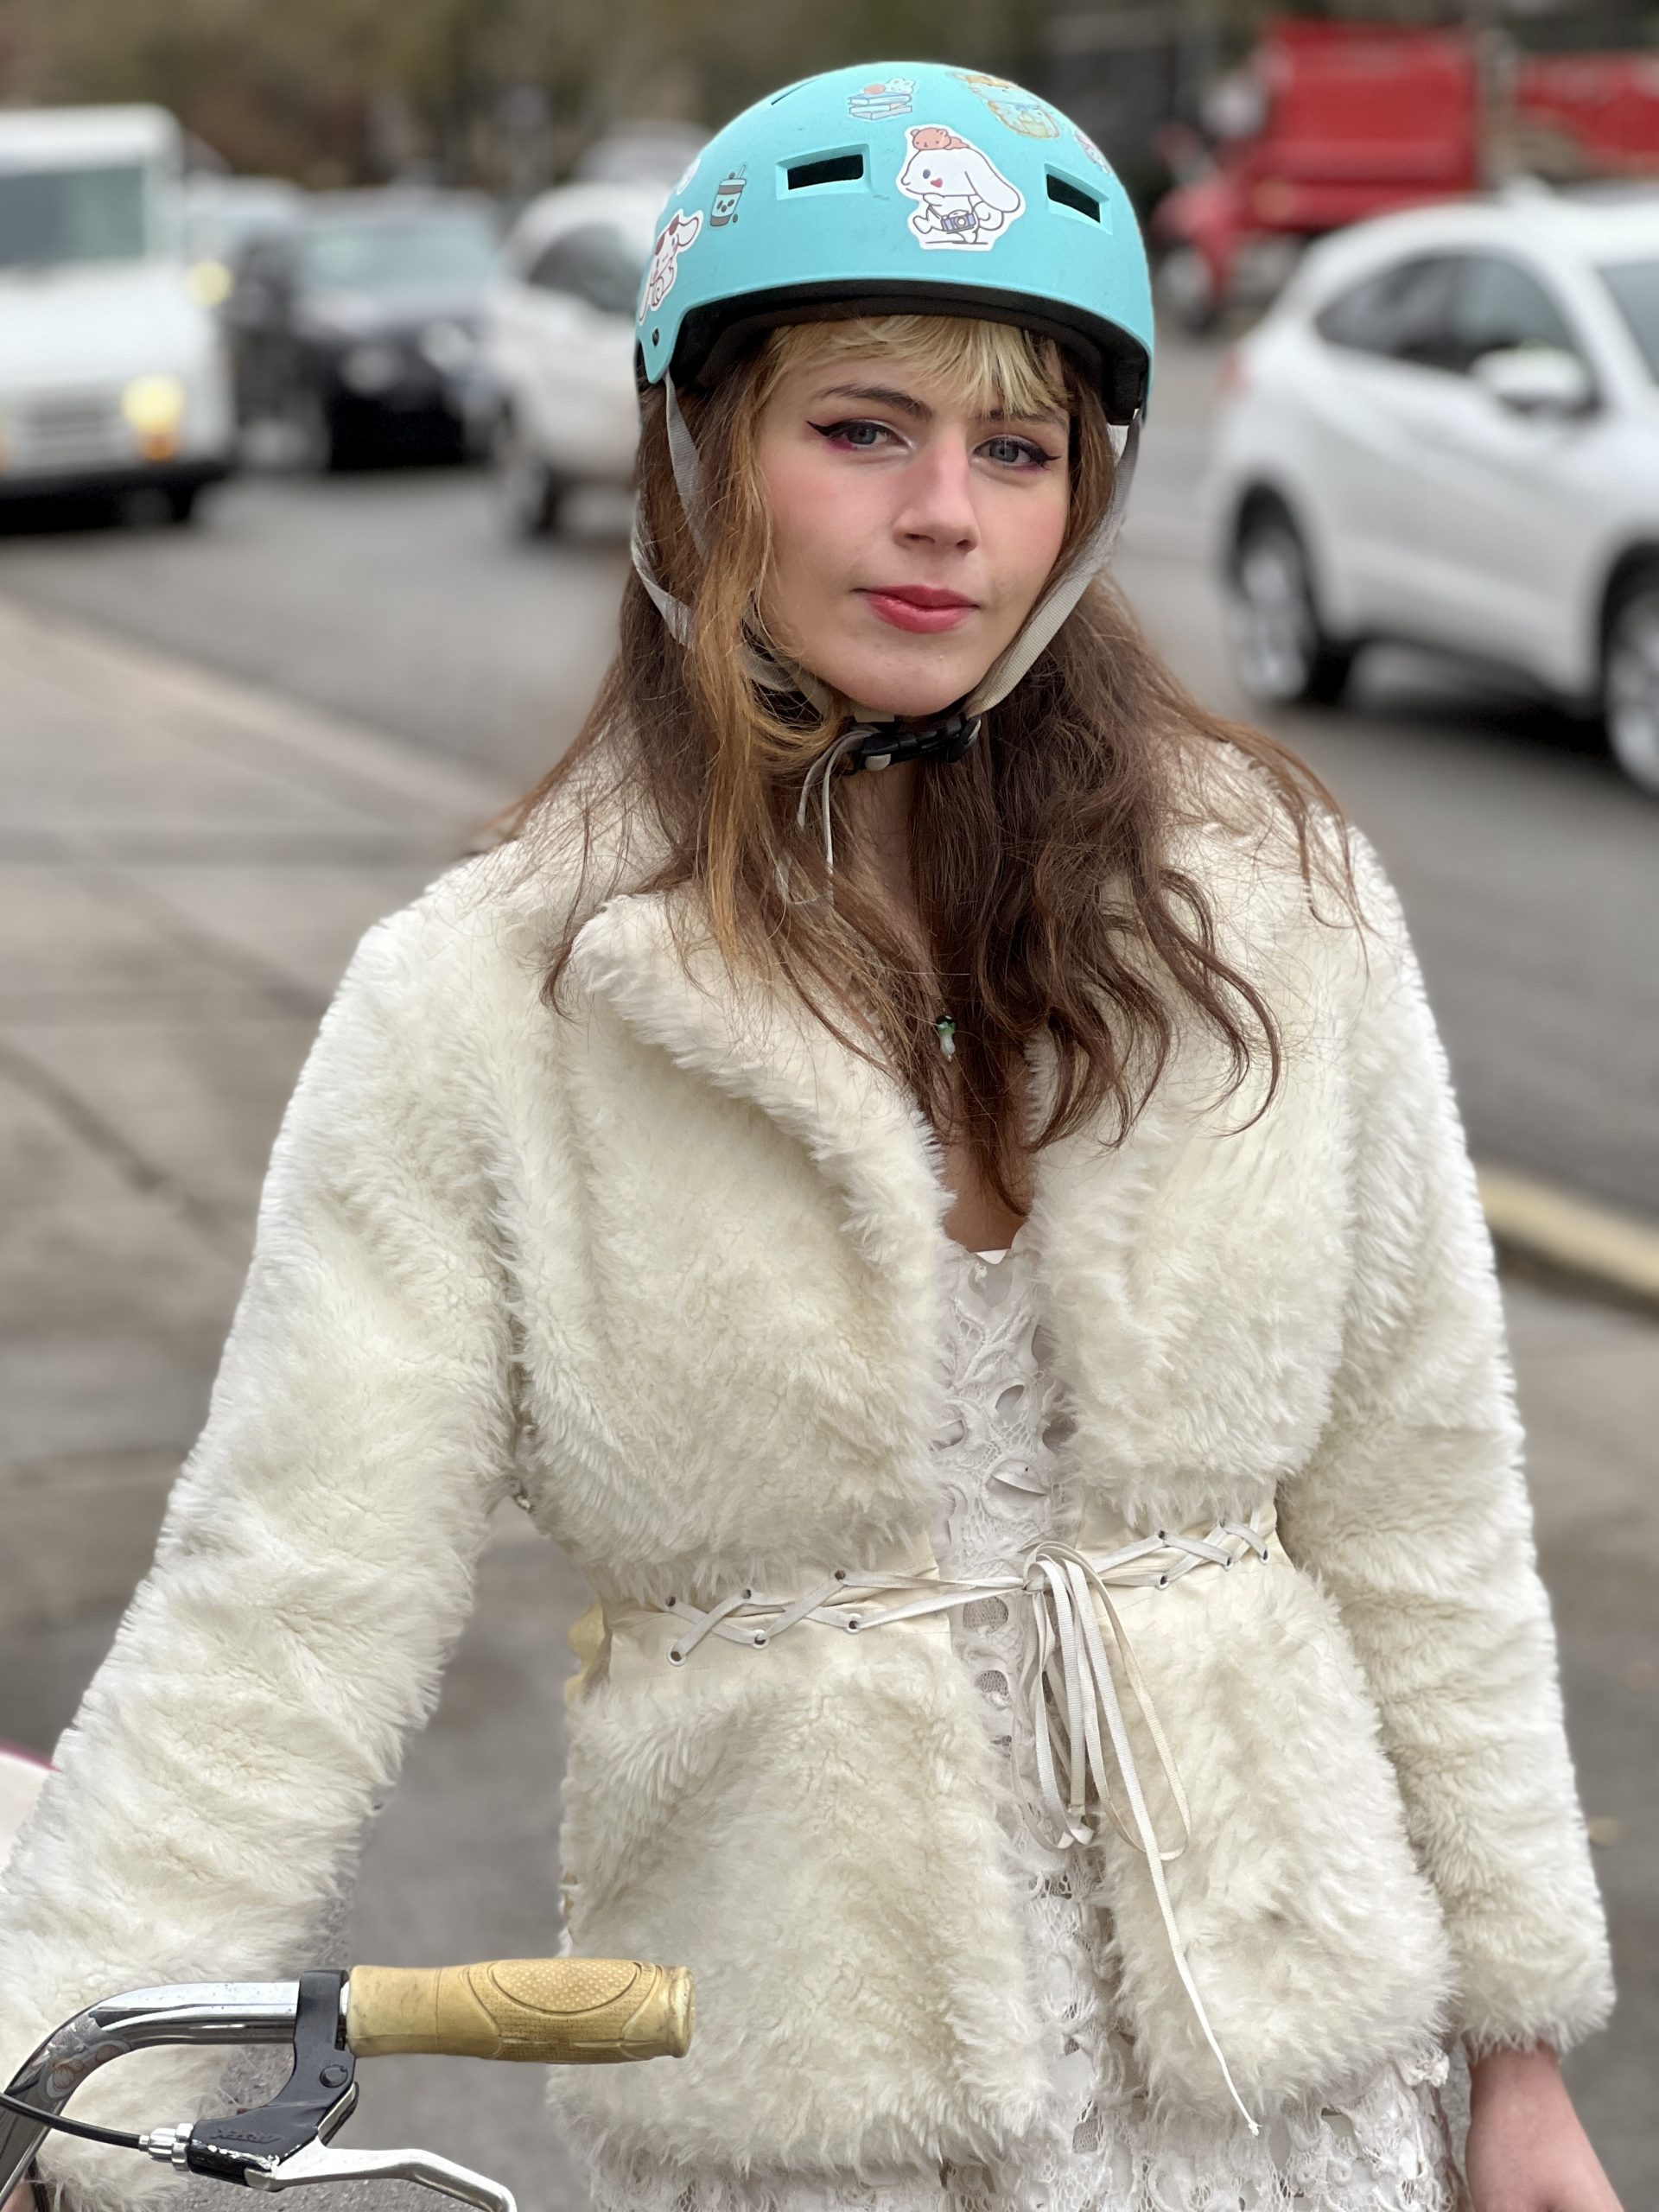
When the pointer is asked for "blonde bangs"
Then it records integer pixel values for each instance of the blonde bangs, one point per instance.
(982, 368)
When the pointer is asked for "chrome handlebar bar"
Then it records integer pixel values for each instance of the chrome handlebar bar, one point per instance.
(184, 2012)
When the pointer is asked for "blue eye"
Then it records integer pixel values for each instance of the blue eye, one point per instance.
(843, 432)
(1016, 451)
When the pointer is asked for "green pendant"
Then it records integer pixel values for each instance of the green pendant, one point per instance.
(945, 1030)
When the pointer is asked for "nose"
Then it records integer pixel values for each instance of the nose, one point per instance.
(938, 507)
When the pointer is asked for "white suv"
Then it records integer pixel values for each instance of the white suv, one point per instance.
(1447, 432)
(559, 337)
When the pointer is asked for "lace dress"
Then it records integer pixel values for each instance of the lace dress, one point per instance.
(1099, 2148)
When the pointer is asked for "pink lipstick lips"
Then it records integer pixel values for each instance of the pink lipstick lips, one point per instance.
(919, 607)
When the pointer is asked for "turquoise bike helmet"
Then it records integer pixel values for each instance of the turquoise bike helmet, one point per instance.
(899, 187)
(902, 187)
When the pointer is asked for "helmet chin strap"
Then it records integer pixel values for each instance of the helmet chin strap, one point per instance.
(877, 737)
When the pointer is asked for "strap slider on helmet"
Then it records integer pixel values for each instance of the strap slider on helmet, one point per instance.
(884, 744)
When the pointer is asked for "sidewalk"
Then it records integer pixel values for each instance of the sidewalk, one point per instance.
(185, 865)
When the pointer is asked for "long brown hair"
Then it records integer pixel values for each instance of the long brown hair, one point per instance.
(1043, 861)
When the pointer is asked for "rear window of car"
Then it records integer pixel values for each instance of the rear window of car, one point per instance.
(597, 263)
(1634, 288)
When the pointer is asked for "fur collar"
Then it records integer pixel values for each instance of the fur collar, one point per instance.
(649, 956)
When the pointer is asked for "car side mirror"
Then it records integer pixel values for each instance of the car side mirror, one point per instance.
(1536, 380)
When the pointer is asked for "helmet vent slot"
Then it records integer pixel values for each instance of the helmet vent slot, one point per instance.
(835, 168)
(1071, 195)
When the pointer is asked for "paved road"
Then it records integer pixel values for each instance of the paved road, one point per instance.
(1530, 870)
(395, 598)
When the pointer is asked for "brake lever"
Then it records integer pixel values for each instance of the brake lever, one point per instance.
(286, 2143)
(314, 2101)
(313, 2161)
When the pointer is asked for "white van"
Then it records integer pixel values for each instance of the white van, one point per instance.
(113, 376)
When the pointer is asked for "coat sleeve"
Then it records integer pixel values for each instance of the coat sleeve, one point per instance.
(314, 1566)
(1414, 1514)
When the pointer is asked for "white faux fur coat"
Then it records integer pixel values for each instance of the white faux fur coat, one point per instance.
(675, 1264)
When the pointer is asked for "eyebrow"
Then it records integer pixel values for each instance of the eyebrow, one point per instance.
(904, 402)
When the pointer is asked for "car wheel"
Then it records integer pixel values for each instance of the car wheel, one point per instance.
(1282, 653)
(529, 493)
(1629, 691)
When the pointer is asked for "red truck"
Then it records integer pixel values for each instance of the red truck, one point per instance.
(1331, 122)
(1588, 114)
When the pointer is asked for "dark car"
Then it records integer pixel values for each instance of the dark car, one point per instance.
(356, 327)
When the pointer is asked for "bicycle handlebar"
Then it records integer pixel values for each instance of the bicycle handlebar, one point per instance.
(554, 2012)
(560, 2011)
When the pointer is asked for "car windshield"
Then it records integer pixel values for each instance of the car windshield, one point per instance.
(49, 216)
(1635, 287)
(402, 254)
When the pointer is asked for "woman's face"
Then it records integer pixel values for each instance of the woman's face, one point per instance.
(910, 538)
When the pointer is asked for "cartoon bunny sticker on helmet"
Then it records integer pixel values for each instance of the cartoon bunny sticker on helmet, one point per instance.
(964, 199)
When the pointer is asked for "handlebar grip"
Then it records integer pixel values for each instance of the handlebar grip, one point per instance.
(554, 2012)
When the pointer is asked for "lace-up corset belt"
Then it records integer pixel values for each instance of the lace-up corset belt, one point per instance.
(1080, 1671)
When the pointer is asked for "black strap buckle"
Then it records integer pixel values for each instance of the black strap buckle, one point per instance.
(945, 738)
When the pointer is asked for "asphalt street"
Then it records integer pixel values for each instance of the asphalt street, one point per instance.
(1530, 870)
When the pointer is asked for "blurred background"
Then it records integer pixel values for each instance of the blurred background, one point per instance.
(316, 434)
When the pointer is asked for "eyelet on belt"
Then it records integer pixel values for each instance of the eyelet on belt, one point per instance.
(760, 1639)
(840, 1575)
(1163, 1535)
(669, 1604)
(852, 1625)
(1163, 1582)
(747, 1594)
(675, 1656)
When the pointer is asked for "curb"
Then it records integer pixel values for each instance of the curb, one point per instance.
(1616, 1254)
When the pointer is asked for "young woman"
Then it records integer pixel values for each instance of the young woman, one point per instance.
(926, 1163)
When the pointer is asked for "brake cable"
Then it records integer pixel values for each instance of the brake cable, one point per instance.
(115, 2135)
